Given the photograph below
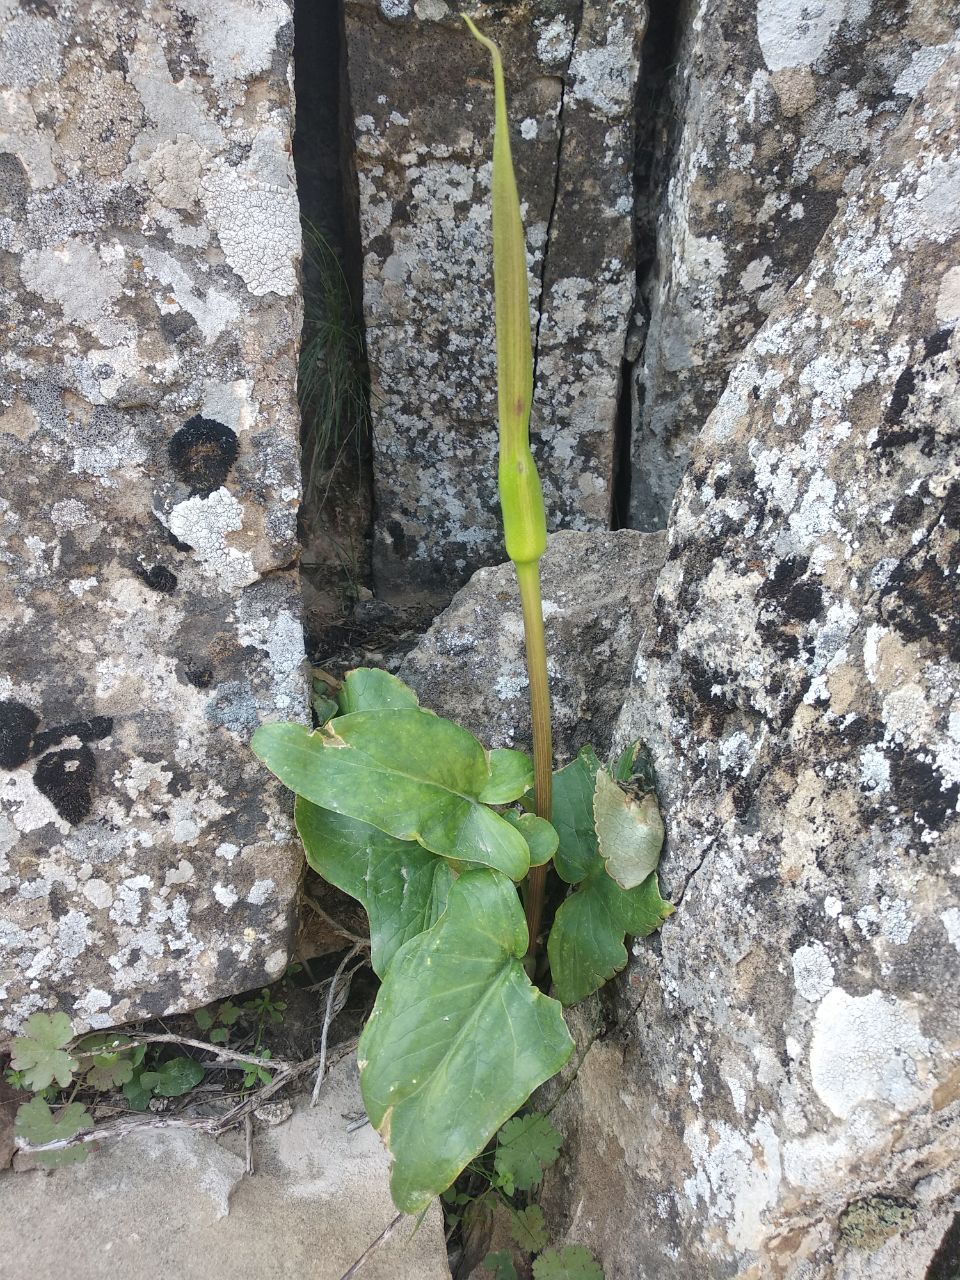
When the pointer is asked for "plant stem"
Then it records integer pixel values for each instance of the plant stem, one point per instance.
(528, 579)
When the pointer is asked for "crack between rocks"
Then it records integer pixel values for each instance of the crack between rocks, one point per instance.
(555, 200)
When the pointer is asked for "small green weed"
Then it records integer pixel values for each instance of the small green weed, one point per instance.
(526, 1147)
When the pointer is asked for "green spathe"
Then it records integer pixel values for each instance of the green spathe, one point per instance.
(406, 772)
(458, 1039)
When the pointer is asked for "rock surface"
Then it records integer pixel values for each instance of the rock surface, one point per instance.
(772, 116)
(783, 1098)
(597, 589)
(150, 240)
(422, 109)
(177, 1203)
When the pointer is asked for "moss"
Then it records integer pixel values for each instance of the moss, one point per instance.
(867, 1223)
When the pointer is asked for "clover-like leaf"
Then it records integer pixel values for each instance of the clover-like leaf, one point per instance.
(458, 1039)
(402, 887)
(629, 831)
(570, 1263)
(528, 1228)
(369, 689)
(173, 1078)
(406, 772)
(526, 1146)
(36, 1125)
(38, 1051)
(110, 1071)
(501, 1265)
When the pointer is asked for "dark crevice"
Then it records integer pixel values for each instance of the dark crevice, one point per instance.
(657, 115)
(555, 200)
(334, 384)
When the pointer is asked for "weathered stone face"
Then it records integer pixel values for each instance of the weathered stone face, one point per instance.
(422, 107)
(783, 1098)
(597, 590)
(148, 249)
(774, 111)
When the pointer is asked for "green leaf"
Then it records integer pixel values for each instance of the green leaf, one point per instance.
(458, 1038)
(402, 887)
(219, 1035)
(110, 1071)
(367, 689)
(228, 1013)
(529, 1229)
(38, 1051)
(511, 774)
(629, 831)
(137, 1093)
(572, 1263)
(408, 773)
(585, 946)
(572, 814)
(540, 835)
(526, 1146)
(36, 1124)
(204, 1019)
(501, 1264)
(173, 1078)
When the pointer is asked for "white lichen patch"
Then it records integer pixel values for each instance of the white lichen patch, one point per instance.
(205, 524)
(868, 1050)
(258, 225)
(813, 972)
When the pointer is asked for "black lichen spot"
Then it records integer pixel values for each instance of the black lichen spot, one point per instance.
(918, 599)
(17, 726)
(720, 486)
(91, 730)
(903, 389)
(945, 1263)
(804, 602)
(202, 453)
(908, 510)
(918, 789)
(936, 344)
(178, 542)
(397, 537)
(66, 779)
(159, 578)
(199, 674)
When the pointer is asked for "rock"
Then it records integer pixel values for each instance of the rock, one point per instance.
(596, 589)
(782, 1097)
(422, 111)
(770, 120)
(148, 617)
(176, 1203)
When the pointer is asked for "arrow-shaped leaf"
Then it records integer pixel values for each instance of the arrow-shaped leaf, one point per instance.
(458, 1038)
(407, 772)
(402, 887)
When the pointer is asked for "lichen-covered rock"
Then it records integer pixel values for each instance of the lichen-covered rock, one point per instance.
(597, 590)
(783, 1098)
(774, 111)
(149, 241)
(422, 107)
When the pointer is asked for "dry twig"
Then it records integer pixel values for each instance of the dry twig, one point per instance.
(328, 1017)
(380, 1241)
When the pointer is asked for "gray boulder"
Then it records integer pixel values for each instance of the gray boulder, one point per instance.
(769, 119)
(421, 97)
(781, 1099)
(148, 428)
(597, 589)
